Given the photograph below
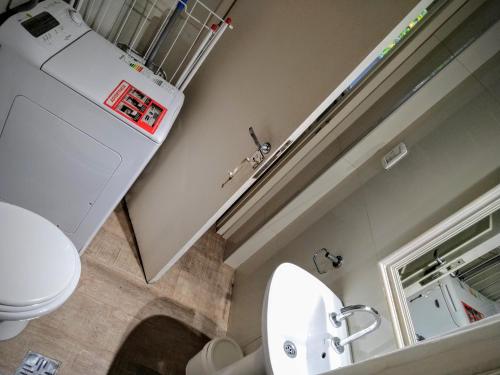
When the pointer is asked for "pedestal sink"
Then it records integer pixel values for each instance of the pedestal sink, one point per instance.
(303, 328)
(296, 328)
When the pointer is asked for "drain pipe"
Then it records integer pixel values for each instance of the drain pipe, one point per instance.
(252, 364)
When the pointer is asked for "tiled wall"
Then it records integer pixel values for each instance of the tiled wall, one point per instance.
(454, 156)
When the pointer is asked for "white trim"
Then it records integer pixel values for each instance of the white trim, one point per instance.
(467, 216)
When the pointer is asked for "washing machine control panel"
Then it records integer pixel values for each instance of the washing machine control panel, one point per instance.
(40, 24)
(43, 31)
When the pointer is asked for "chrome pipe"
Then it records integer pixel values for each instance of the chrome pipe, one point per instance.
(345, 312)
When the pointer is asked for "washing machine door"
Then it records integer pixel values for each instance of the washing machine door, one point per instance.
(50, 167)
(430, 314)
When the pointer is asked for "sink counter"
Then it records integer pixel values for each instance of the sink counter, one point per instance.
(471, 351)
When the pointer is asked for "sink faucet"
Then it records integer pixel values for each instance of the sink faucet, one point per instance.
(337, 318)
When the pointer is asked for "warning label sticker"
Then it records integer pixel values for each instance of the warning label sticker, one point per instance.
(136, 106)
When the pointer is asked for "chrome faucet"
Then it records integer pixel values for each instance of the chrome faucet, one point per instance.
(337, 318)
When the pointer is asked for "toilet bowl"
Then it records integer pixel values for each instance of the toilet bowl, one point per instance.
(39, 268)
(215, 355)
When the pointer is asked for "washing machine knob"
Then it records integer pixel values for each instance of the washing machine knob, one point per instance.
(75, 16)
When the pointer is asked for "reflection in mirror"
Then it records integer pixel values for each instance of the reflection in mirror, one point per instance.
(457, 282)
(440, 283)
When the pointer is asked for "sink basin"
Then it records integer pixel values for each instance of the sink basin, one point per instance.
(304, 328)
(296, 330)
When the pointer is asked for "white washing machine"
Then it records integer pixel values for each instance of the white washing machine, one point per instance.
(79, 119)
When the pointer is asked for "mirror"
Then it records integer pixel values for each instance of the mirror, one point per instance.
(457, 282)
(448, 278)
(364, 207)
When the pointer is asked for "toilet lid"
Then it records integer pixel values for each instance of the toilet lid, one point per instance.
(37, 261)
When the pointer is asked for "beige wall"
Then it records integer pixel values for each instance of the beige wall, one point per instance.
(281, 60)
(453, 158)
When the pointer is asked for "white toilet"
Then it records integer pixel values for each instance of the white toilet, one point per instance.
(39, 268)
(215, 355)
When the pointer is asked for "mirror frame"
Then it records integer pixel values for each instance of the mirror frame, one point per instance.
(389, 266)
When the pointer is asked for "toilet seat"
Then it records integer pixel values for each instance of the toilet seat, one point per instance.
(35, 311)
(39, 265)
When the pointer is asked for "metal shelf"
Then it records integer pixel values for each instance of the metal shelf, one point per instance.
(170, 37)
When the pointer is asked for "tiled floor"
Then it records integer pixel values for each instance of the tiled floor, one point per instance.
(117, 324)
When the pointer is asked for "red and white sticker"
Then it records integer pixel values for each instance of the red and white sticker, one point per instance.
(472, 313)
(136, 106)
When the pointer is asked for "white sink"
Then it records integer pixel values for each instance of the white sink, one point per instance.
(295, 318)
(303, 328)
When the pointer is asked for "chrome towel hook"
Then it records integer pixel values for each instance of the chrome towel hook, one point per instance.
(335, 260)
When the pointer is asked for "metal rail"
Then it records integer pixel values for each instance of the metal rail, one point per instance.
(188, 31)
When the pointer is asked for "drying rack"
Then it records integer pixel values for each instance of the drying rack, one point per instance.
(171, 37)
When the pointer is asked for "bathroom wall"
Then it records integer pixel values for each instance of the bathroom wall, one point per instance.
(3, 4)
(453, 158)
(281, 60)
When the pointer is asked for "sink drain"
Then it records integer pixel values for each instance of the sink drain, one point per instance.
(290, 349)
